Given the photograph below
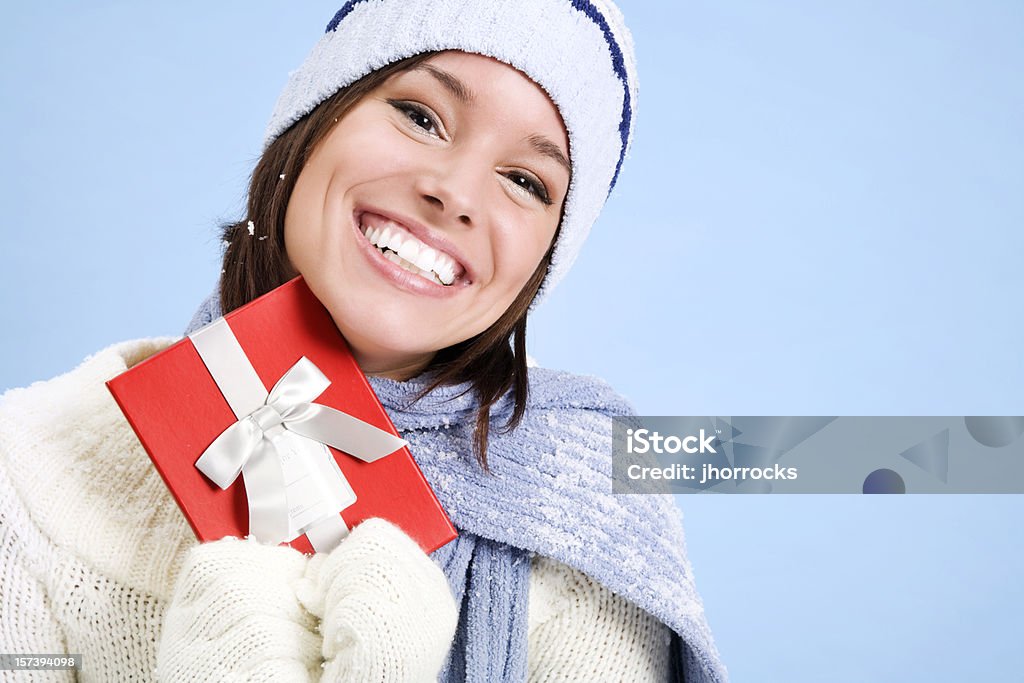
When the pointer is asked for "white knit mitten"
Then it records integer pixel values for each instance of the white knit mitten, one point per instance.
(387, 612)
(234, 616)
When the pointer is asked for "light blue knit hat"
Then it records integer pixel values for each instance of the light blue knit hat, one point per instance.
(580, 52)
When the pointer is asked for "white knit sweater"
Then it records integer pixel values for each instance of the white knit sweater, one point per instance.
(96, 559)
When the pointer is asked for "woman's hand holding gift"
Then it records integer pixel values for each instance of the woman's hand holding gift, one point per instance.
(375, 608)
(234, 616)
(387, 612)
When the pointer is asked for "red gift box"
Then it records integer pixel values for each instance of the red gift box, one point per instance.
(178, 410)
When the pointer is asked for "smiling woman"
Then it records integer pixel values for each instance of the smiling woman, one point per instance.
(430, 184)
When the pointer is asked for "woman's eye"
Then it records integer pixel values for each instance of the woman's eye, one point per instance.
(530, 184)
(417, 115)
(421, 120)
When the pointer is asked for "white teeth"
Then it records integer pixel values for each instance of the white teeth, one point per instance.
(393, 239)
(377, 238)
(444, 266)
(404, 249)
(410, 250)
(426, 259)
(446, 273)
(411, 267)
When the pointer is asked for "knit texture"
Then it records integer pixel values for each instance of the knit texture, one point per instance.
(490, 580)
(608, 639)
(254, 612)
(96, 558)
(234, 613)
(386, 608)
(579, 51)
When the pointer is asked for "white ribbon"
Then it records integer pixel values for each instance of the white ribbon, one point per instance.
(250, 445)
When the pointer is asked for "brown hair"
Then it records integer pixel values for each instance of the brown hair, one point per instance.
(493, 362)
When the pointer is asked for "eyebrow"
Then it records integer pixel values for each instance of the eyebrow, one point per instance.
(549, 149)
(463, 94)
(456, 87)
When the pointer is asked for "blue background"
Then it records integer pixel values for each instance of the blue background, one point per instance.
(821, 215)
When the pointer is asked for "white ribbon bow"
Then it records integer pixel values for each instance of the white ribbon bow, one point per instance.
(247, 446)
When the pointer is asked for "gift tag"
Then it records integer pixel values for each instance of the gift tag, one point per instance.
(314, 485)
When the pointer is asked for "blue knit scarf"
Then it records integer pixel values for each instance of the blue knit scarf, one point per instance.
(548, 492)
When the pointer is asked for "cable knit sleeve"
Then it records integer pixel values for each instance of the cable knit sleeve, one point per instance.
(579, 630)
(27, 624)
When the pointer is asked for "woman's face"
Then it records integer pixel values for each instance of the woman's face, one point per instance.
(423, 213)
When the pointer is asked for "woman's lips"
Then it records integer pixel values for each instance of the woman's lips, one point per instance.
(404, 249)
(400, 271)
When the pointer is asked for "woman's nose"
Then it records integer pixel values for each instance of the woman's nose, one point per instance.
(453, 190)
